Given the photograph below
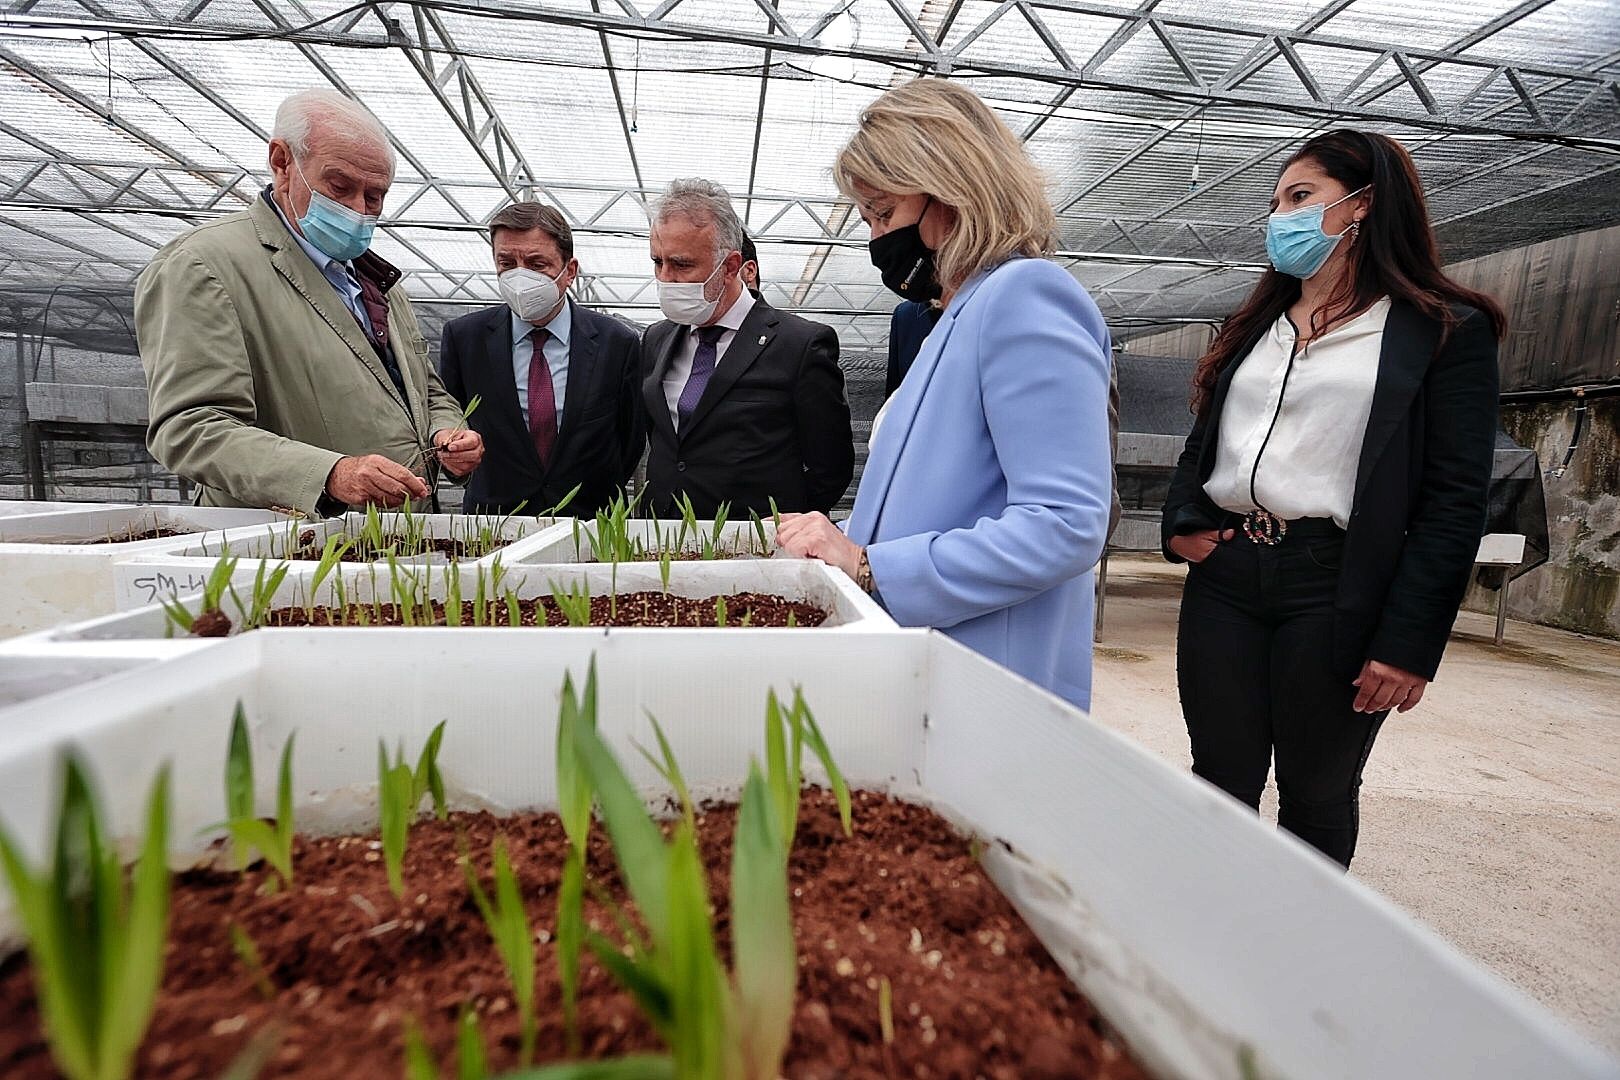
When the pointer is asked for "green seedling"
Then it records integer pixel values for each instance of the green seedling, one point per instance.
(263, 596)
(470, 1061)
(337, 546)
(563, 503)
(514, 610)
(573, 602)
(243, 946)
(213, 593)
(733, 1028)
(574, 797)
(273, 839)
(759, 533)
(95, 932)
(452, 595)
(720, 611)
(509, 929)
(399, 798)
(786, 733)
(665, 559)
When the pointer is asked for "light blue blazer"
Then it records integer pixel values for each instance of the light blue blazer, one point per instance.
(984, 504)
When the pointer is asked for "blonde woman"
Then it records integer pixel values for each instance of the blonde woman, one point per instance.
(984, 503)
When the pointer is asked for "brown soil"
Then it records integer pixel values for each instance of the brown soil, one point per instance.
(974, 993)
(129, 536)
(211, 624)
(632, 609)
(453, 550)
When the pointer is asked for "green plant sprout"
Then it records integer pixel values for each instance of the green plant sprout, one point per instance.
(247, 952)
(399, 797)
(213, 592)
(732, 1026)
(664, 561)
(574, 797)
(715, 1027)
(574, 602)
(95, 932)
(720, 611)
(561, 504)
(469, 1061)
(337, 546)
(263, 597)
(509, 929)
(272, 839)
(786, 733)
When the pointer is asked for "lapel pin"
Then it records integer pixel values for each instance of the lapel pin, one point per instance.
(762, 339)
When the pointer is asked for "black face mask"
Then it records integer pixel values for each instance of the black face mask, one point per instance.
(906, 263)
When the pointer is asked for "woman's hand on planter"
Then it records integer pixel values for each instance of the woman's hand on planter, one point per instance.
(814, 536)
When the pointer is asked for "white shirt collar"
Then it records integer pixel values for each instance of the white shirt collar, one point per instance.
(733, 318)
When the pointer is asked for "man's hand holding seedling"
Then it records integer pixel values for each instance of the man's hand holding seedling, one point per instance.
(459, 450)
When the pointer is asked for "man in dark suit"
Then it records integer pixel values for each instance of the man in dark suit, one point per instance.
(558, 382)
(744, 403)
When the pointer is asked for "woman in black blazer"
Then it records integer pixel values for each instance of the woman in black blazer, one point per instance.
(1332, 493)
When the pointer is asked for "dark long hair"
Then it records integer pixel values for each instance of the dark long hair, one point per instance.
(1394, 255)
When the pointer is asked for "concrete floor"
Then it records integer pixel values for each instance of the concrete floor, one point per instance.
(1490, 812)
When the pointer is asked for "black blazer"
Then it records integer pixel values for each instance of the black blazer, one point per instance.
(1420, 495)
(599, 440)
(773, 421)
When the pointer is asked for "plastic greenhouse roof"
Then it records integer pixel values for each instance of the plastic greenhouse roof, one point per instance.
(1161, 127)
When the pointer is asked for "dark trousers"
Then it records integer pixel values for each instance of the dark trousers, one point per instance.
(1254, 663)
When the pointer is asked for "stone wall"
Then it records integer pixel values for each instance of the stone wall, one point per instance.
(1578, 588)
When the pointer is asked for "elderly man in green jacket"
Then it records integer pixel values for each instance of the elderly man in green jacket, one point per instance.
(285, 367)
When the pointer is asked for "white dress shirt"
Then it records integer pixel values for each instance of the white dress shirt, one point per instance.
(1292, 426)
(556, 353)
(680, 368)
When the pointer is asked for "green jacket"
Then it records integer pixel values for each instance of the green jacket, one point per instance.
(259, 376)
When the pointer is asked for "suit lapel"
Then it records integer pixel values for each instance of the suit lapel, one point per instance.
(652, 388)
(1403, 361)
(581, 364)
(502, 381)
(898, 421)
(750, 340)
(291, 263)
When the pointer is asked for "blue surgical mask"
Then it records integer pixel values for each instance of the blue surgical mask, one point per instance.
(336, 231)
(1295, 241)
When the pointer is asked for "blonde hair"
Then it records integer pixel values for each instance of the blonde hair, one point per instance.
(933, 137)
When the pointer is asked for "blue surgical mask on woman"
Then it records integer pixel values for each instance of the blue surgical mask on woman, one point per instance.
(1295, 241)
(336, 231)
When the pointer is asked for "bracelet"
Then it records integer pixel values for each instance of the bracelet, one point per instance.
(863, 574)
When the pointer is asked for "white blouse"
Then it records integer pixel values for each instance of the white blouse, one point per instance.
(1292, 426)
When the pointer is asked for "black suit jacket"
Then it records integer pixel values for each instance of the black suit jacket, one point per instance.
(1420, 496)
(599, 440)
(772, 423)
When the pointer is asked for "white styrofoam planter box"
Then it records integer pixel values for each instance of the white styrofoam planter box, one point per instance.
(184, 565)
(25, 679)
(28, 507)
(577, 545)
(1203, 935)
(54, 571)
(145, 630)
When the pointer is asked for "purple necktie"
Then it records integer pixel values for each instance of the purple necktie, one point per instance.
(702, 367)
(542, 399)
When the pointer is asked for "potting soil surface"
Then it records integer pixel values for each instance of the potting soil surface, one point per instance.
(345, 964)
(629, 609)
(427, 545)
(129, 536)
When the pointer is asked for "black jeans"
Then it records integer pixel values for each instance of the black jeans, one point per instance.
(1254, 663)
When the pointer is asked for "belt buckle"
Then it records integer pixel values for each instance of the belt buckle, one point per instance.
(1264, 527)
